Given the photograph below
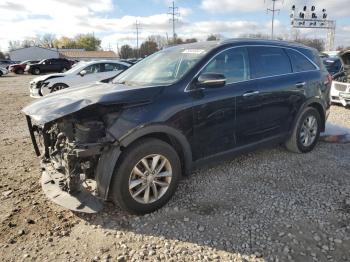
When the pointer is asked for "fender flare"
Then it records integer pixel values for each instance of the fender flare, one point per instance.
(108, 159)
(306, 104)
(163, 129)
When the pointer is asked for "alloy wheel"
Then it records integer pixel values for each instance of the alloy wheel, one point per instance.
(150, 178)
(308, 131)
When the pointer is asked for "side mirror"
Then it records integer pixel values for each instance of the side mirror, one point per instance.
(211, 80)
(82, 72)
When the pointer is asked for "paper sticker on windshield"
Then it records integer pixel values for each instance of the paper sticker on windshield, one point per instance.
(193, 51)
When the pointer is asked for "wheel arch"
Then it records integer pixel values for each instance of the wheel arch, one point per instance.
(109, 160)
(167, 134)
(314, 103)
(321, 111)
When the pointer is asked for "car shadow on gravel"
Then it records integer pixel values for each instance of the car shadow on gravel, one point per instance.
(270, 204)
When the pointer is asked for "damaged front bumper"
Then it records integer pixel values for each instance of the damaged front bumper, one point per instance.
(83, 199)
(75, 175)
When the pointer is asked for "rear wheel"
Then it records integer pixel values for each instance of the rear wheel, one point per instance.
(306, 132)
(19, 71)
(36, 71)
(57, 87)
(146, 177)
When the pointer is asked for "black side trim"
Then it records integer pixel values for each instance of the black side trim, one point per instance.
(31, 132)
(148, 130)
(231, 153)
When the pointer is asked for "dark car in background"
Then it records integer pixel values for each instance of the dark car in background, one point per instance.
(174, 111)
(19, 68)
(55, 65)
(334, 65)
(5, 63)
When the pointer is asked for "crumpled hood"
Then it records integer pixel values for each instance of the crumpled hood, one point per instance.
(68, 101)
(45, 77)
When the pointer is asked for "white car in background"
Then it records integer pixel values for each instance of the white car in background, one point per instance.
(82, 73)
(340, 90)
(3, 71)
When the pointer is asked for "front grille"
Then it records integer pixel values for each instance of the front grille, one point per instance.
(340, 87)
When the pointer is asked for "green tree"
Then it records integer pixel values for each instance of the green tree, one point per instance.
(148, 47)
(126, 52)
(88, 42)
(64, 42)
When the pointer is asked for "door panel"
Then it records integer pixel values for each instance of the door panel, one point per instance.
(276, 91)
(215, 108)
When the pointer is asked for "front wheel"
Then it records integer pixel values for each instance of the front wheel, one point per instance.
(306, 132)
(64, 70)
(36, 71)
(19, 71)
(146, 176)
(57, 87)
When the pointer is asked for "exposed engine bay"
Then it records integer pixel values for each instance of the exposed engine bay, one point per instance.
(70, 149)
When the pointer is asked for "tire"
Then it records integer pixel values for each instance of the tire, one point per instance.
(19, 71)
(57, 87)
(297, 141)
(0, 74)
(36, 71)
(64, 69)
(120, 192)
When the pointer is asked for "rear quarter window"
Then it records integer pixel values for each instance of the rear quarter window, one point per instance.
(269, 61)
(299, 62)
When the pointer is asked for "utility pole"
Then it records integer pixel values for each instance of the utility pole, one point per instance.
(273, 11)
(174, 12)
(137, 26)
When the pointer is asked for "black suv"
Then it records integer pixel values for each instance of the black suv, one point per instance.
(49, 65)
(172, 112)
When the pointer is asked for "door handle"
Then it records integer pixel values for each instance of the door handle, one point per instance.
(251, 93)
(301, 84)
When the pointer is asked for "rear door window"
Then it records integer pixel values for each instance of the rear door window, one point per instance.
(113, 67)
(232, 63)
(269, 61)
(92, 69)
(299, 62)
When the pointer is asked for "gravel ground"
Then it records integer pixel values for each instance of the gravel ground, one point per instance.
(269, 205)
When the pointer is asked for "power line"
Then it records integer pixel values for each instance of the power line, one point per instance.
(273, 11)
(174, 12)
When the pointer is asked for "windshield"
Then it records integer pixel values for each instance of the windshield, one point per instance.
(162, 68)
(24, 62)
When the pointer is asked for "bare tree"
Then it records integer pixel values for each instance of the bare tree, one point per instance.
(191, 40)
(47, 40)
(161, 41)
(126, 52)
(148, 47)
(314, 43)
